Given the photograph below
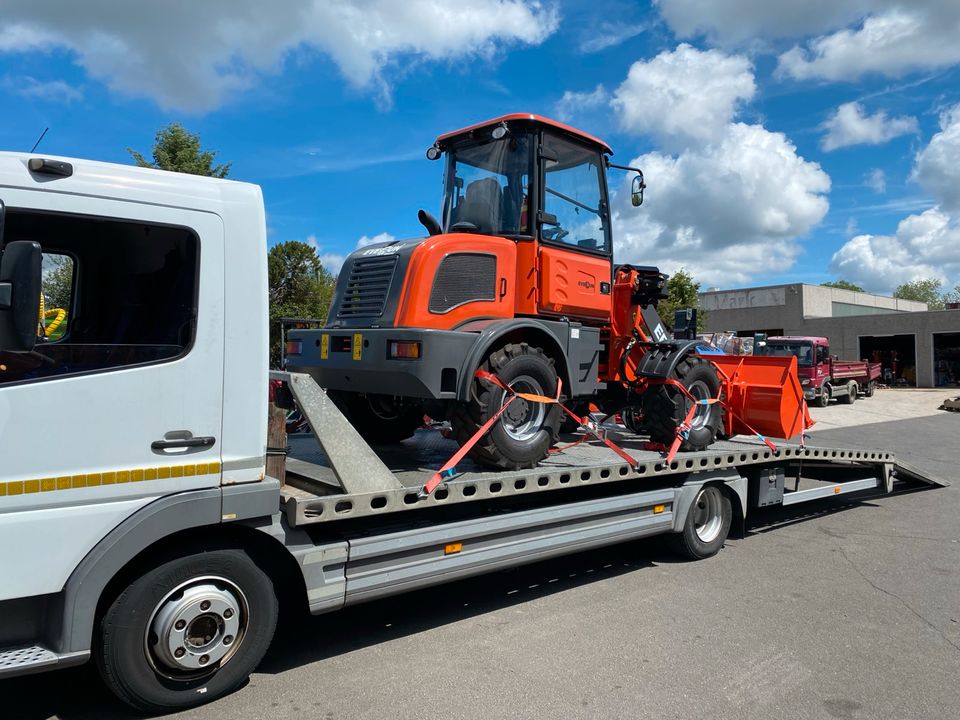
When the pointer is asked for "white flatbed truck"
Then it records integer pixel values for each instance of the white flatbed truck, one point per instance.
(138, 524)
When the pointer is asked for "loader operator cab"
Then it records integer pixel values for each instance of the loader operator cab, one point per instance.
(525, 178)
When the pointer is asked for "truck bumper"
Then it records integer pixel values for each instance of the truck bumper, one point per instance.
(811, 393)
(359, 360)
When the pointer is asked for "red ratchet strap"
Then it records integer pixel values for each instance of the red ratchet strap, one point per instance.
(449, 468)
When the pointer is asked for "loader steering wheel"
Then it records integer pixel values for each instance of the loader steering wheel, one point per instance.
(555, 234)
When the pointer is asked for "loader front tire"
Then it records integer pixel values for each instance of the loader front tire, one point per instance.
(665, 407)
(523, 435)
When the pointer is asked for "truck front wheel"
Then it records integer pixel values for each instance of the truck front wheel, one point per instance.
(665, 407)
(823, 399)
(525, 431)
(187, 631)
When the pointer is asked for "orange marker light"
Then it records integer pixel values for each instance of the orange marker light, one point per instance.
(657, 509)
(452, 548)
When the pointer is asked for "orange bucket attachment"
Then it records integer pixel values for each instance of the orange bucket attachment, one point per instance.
(763, 394)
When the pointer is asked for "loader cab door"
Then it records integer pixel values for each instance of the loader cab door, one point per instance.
(575, 254)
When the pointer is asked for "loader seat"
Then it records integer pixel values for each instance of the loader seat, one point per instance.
(481, 205)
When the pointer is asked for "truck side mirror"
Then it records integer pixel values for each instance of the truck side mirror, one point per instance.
(20, 287)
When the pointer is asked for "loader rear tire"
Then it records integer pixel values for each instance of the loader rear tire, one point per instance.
(665, 407)
(380, 419)
(523, 435)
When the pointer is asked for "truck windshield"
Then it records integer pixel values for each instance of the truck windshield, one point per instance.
(802, 351)
(487, 186)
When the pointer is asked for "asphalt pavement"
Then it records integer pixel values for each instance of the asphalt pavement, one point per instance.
(845, 609)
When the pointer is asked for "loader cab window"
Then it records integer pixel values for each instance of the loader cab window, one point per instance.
(487, 186)
(573, 195)
(116, 294)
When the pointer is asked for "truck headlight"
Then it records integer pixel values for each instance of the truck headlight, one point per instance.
(805, 382)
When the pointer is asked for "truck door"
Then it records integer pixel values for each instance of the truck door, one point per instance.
(575, 256)
(120, 403)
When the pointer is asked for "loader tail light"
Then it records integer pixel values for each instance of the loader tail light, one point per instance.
(294, 347)
(404, 350)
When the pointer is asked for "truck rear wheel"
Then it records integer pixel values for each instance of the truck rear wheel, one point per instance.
(526, 430)
(707, 525)
(665, 407)
(188, 631)
(870, 389)
(380, 419)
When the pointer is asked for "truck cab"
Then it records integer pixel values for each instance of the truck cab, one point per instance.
(813, 360)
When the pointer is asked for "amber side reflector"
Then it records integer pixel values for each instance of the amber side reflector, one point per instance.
(657, 509)
(404, 350)
(452, 548)
(836, 490)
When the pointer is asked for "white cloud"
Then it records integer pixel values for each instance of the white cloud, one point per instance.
(685, 95)
(849, 125)
(924, 246)
(608, 35)
(730, 22)
(921, 35)
(876, 180)
(51, 90)
(383, 237)
(937, 166)
(333, 261)
(572, 104)
(193, 55)
(727, 211)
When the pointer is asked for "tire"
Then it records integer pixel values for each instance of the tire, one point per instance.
(665, 407)
(633, 420)
(380, 419)
(851, 397)
(707, 525)
(526, 431)
(870, 389)
(823, 399)
(140, 668)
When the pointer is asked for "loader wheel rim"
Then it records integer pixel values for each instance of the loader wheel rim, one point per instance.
(523, 419)
(699, 390)
(196, 628)
(708, 514)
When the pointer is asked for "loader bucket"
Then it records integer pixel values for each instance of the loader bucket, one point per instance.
(763, 394)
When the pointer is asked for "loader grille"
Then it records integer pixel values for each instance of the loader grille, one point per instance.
(368, 286)
(463, 278)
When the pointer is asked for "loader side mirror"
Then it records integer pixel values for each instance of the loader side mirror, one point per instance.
(20, 287)
(636, 190)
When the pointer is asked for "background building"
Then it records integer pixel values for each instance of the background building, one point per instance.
(917, 345)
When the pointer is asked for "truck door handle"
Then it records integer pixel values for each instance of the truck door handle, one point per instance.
(192, 442)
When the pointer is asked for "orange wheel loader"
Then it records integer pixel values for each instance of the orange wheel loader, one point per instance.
(516, 278)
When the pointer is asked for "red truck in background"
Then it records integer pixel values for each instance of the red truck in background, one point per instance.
(822, 375)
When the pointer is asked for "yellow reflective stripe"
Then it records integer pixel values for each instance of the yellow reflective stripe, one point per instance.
(111, 477)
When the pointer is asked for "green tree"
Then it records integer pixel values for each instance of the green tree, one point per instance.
(57, 281)
(178, 150)
(926, 291)
(299, 287)
(953, 296)
(682, 292)
(842, 285)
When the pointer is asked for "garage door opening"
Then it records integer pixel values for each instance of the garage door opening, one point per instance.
(946, 359)
(896, 353)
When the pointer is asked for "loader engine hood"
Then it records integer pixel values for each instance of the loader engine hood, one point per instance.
(370, 284)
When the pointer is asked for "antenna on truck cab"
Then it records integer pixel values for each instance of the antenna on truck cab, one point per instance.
(42, 135)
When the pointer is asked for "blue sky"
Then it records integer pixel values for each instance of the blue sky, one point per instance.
(781, 141)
